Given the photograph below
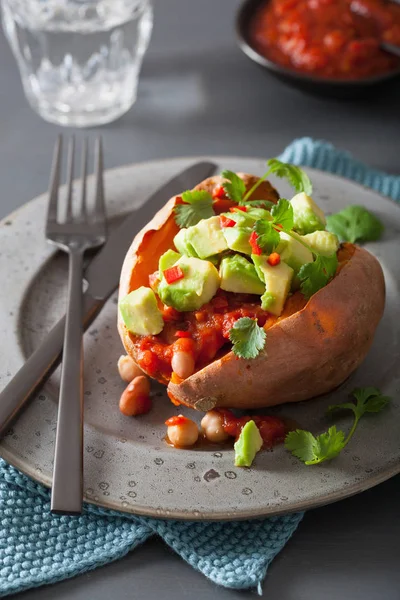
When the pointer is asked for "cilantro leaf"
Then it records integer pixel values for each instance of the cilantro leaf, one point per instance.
(368, 400)
(296, 176)
(355, 223)
(268, 238)
(315, 275)
(198, 206)
(282, 214)
(247, 337)
(235, 187)
(314, 450)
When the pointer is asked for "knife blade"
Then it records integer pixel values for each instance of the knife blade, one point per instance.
(102, 275)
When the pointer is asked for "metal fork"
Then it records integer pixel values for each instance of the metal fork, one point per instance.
(73, 234)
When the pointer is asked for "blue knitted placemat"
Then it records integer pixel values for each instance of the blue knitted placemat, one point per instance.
(38, 548)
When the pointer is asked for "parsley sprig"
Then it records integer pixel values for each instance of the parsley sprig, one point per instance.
(355, 224)
(313, 450)
(247, 337)
(197, 206)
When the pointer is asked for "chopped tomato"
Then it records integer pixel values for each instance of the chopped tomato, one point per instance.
(236, 208)
(177, 420)
(226, 221)
(183, 334)
(254, 245)
(221, 205)
(173, 274)
(274, 259)
(219, 192)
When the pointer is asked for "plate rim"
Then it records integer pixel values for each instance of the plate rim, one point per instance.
(257, 512)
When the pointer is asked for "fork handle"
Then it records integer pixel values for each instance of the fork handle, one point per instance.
(67, 489)
(38, 366)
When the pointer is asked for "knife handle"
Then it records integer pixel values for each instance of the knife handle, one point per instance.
(38, 366)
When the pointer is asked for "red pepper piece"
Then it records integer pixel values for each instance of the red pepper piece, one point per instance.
(219, 192)
(235, 208)
(174, 274)
(226, 221)
(183, 334)
(253, 243)
(274, 259)
(176, 420)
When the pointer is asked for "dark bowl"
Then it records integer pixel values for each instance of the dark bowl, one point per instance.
(309, 83)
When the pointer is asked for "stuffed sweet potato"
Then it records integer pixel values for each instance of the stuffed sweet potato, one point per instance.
(302, 308)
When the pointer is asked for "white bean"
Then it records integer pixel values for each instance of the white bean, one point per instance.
(183, 434)
(182, 364)
(211, 425)
(127, 368)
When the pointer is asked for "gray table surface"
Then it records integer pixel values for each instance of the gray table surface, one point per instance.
(199, 95)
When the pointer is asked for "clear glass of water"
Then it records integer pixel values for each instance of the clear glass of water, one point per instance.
(79, 59)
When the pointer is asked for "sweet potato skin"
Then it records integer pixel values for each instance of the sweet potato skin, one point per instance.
(307, 354)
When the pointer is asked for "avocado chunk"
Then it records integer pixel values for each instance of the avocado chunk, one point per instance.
(237, 238)
(277, 280)
(308, 217)
(140, 312)
(167, 260)
(240, 276)
(206, 238)
(248, 444)
(199, 284)
(182, 245)
(293, 253)
(323, 242)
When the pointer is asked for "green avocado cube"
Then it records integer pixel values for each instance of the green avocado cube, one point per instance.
(308, 217)
(323, 242)
(249, 443)
(182, 245)
(206, 238)
(167, 260)
(293, 253)
(140, 312)
(199, 284)
(237, 238)
(278, 279)
(240, 276)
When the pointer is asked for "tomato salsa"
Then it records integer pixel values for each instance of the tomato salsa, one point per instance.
(202, 333)
(336, 39)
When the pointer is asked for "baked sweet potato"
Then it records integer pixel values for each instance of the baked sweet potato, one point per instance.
(311, 348)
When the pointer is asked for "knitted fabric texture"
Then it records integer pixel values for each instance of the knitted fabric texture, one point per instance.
(38, 548)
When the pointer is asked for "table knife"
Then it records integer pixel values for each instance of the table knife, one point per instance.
(102, 276)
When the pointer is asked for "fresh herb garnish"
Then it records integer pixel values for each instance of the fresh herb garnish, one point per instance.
(198, 206)
(316, 275)
(296, 177)
(314, 450)
(234, 187)
(247, 337)
(355, 224)
(282, 214)
(267, 237)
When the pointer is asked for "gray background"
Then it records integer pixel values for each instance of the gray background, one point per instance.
(199, 95)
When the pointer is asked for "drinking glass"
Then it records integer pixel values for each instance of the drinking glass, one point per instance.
(79, 60)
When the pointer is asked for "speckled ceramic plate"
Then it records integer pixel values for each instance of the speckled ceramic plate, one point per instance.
(128, 466)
